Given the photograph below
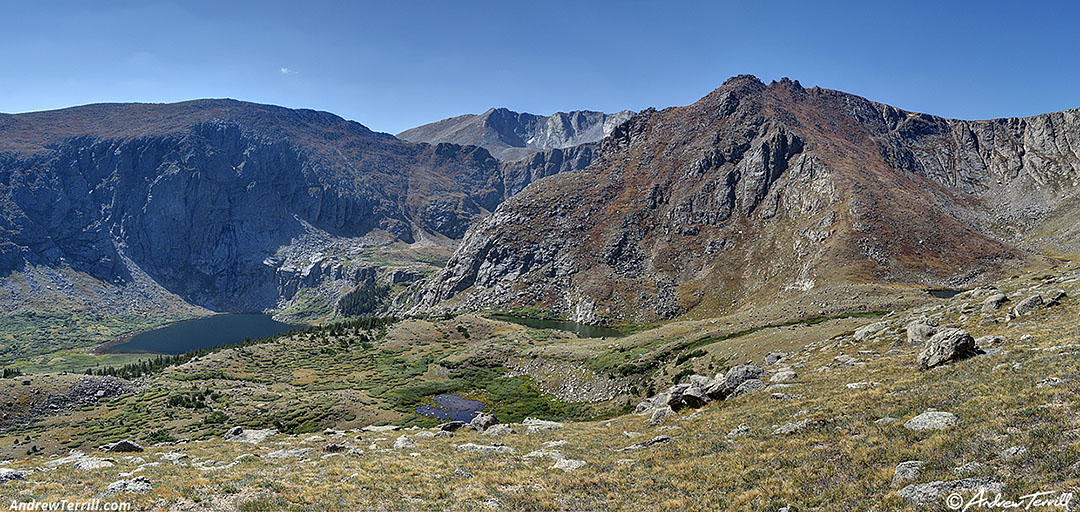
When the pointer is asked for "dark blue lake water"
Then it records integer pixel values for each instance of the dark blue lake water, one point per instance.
(208, 332)
(451, 407)
(585, 330)
(944, 293)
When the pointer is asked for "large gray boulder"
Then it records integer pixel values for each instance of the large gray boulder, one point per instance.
(736, 375)
(649, 404)
(921, 330)
(499, 429)
(82, 462)
(1028, 305)
(483, 421)
(994, 302)
(793, 427)
(567, 464)
(947, 345)
(660, 414)
(452, 426)
(707, 385)
(1056, 299)
(932, 420)
(783, 375)
(774, 357)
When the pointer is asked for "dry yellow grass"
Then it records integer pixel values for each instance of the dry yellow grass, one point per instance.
(843, 461)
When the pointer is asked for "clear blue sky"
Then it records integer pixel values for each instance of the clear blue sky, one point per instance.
(394, 64)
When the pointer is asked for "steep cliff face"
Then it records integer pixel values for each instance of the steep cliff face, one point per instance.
(219, 201)
(756, 192)
(510, 135)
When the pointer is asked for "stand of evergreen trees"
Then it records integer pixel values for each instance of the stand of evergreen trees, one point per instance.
(364, 300)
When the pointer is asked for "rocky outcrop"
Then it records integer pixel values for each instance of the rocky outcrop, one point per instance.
(758, 191)
(7, 475)
(945, 346)
(125, 445)
(994, 302)
(510, 135)
(519, 174)
(921, 330)
(482, 422)
(700, 390)
(85, 391)
(1026, 306)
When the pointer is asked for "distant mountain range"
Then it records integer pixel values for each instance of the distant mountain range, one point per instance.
(510, 135)
(752, 194)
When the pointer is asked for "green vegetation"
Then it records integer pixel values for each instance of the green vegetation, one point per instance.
(160, 436)
(193, 399)
(74, 361)
(364, 300)
(309, 306)
(26, 333)
(509, 398)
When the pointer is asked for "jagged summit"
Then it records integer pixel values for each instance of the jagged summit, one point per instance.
(510, 135)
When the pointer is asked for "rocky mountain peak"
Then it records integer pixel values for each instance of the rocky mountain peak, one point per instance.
(758, 191)
(510, 135)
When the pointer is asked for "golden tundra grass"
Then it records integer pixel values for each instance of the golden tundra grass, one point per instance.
(845, 461)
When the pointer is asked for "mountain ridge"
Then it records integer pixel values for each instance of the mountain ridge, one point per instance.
(757, 192)
(224, 204)
(510, 135)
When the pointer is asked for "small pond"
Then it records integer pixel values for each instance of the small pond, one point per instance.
(208, 332)
(451, 407)
(944, 293)
(584, 330)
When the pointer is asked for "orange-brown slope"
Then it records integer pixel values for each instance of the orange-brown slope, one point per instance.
(751, 194)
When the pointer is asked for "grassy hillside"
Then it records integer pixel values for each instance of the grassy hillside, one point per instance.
(1015, 410)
